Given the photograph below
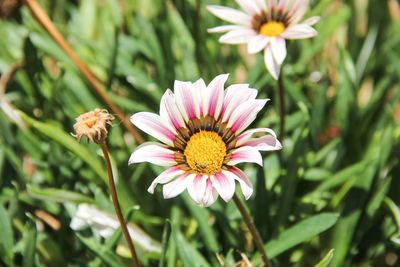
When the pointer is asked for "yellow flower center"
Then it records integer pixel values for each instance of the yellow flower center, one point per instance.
(272, 28)
(205, 152)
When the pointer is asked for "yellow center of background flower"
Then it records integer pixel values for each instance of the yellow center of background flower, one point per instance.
(205, 152)
(272, 28)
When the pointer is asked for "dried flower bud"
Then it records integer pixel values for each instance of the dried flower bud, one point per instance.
(93, 125)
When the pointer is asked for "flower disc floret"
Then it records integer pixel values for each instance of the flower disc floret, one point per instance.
(205, 152)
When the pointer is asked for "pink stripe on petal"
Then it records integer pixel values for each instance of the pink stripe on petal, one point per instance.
(236, 94)
(169, 110)
(165, 177)
(214, 96)
(177, 186)
(231, 15)
(241, 177)
(155, 126)
(246, 136)
(224, 185)
(245, 154)
(273, 67)
(154, 153)
(187, 100)
(197, 188)
(245, 114)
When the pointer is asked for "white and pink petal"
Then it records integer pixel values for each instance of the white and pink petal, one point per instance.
(278, 47)
(177, 186)
(240, 36)
(165, 177)
(245, 154)
(299, 31)
(244, 182)
(197, 188)
(231, 15)
(213, 97)
(267, 142)
(236, 94)
(245, 114)
(225, 185)
(187, 100)
(257, 43)
(210, 195)
(169, 110)
(154, 153)
(270, 62)
(155, 126)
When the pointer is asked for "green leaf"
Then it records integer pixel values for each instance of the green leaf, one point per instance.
(165, 238)
(30, 243)
(7, 237)
(326, 260)
(105, 254)
(57, 195)
(301, 232)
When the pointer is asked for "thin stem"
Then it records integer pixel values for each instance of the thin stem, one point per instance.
(117, 207)
(40, 15)
(281, 106)
(253, 230)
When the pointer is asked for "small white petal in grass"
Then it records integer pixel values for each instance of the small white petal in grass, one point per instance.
(263, 21)
(257, 44)
(154, 153)
(230, 15)
(165, 177)
(299, 31)
(207, 121)
(273, 67)
(106, 224)
(240, 36)
(155, 126)
(245, 154)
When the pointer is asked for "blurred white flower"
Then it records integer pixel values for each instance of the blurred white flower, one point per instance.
(105, 224)
(264, 25)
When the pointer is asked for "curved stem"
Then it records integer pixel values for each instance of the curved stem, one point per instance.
(44, 20)
(281, 106)
(117, 207)
(253, 230)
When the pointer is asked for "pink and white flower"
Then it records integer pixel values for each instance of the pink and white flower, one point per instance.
(201, 130)
(264, 25)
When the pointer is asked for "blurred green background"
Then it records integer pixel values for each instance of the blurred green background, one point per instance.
(330, 198)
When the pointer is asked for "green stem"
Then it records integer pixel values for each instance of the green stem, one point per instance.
(281, 106)
(117, 206)
(253, 230)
